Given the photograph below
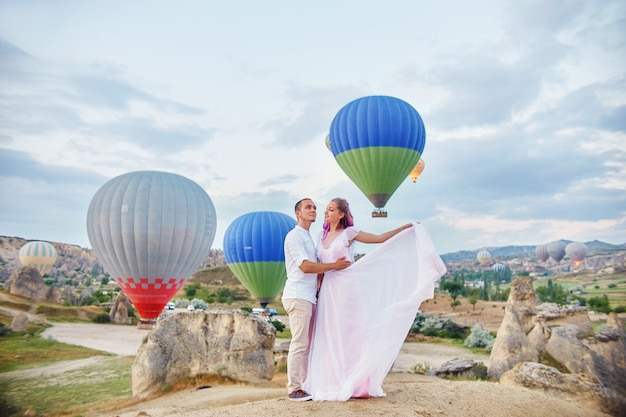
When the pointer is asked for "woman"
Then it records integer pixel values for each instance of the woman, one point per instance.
(365, 311)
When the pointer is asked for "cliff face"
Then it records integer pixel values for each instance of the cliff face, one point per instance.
(72, 261)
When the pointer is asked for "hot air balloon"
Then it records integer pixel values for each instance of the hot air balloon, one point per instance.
(498, 267)
(327, 141)
(576, 252)
(150, 230)
(542, 253)
(419, 168)
(377, 141)
(483, 257)
(556, 250)
(38, 255)
(254, 252)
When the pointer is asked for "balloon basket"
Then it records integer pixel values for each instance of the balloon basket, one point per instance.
(379, 213)
(146, 324)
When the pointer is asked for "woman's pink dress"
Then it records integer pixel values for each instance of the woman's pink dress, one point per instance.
(365, 312)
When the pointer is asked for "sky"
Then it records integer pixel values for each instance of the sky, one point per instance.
(524, 105)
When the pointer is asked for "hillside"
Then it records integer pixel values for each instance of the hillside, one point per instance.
(594, 247)
(76, 265)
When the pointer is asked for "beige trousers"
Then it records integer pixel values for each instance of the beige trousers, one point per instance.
(301, 325)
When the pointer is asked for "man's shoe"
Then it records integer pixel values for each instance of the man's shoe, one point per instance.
(300, 395)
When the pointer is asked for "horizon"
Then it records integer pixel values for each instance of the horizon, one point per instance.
(440, 254)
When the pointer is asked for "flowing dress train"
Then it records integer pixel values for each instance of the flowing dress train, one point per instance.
(365, 312)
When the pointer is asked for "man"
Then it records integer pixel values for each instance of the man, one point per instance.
(299, 295)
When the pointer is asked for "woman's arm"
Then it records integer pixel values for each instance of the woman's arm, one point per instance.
(366, 237)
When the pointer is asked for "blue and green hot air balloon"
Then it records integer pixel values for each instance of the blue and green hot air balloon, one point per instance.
(377, 141)
(254, 252)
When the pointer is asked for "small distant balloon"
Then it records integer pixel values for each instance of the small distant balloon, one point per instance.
(542, 253)
(498, 267)
(255, 253)
(419, 168)
(556, 250)
(576, 252)
(327, 141)
(38, 255)
(483, 257)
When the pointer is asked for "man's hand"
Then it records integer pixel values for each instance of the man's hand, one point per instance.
(342, 263)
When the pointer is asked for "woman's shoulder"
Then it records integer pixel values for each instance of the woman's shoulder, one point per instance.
(351, 231)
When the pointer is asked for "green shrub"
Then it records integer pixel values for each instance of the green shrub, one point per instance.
(480, 371)
(278, 325)
(438, 326)
(101, 318)
(421, 368)
(480, 337)
(600, 304)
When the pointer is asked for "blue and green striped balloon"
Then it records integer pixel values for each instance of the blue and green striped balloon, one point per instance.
(254, 252)
(377, 141)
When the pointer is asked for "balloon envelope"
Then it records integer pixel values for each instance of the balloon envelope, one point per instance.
(150, 230)
(254, 251)
(556, 250)
(542, 253)
(576, 251)
(498, 267)
(483, 257)
(377, 141)
(38, 255)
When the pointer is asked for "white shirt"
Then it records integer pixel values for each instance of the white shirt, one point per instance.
(299, 247)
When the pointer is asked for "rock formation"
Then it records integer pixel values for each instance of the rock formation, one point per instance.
(230, 344)
(119, 310)
(20, 322)
(53, 295)
(27, 283)
(562, 337)
(68, 296)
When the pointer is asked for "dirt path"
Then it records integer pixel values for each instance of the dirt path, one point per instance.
(114, 338)
(125, 341)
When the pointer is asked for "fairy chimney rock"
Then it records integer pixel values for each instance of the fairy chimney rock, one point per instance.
(226, 343)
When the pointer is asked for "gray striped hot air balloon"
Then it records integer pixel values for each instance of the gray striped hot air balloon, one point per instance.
(150, 230)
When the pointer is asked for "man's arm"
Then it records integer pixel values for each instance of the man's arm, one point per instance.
(319, 268)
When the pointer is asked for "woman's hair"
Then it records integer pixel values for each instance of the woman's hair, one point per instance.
(346, 221)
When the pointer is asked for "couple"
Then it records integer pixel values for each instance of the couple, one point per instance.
(348, 321)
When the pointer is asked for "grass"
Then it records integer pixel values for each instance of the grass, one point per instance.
(72, 392)
(24, 350)
(61, 394)
(105, 386)
(616, 295)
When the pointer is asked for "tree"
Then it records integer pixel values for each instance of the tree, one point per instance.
(552, 293)
(473, 299)
(600, 304)
(453, 288)
(191, 289)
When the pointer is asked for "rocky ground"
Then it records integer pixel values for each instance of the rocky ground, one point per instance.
(407, 394)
